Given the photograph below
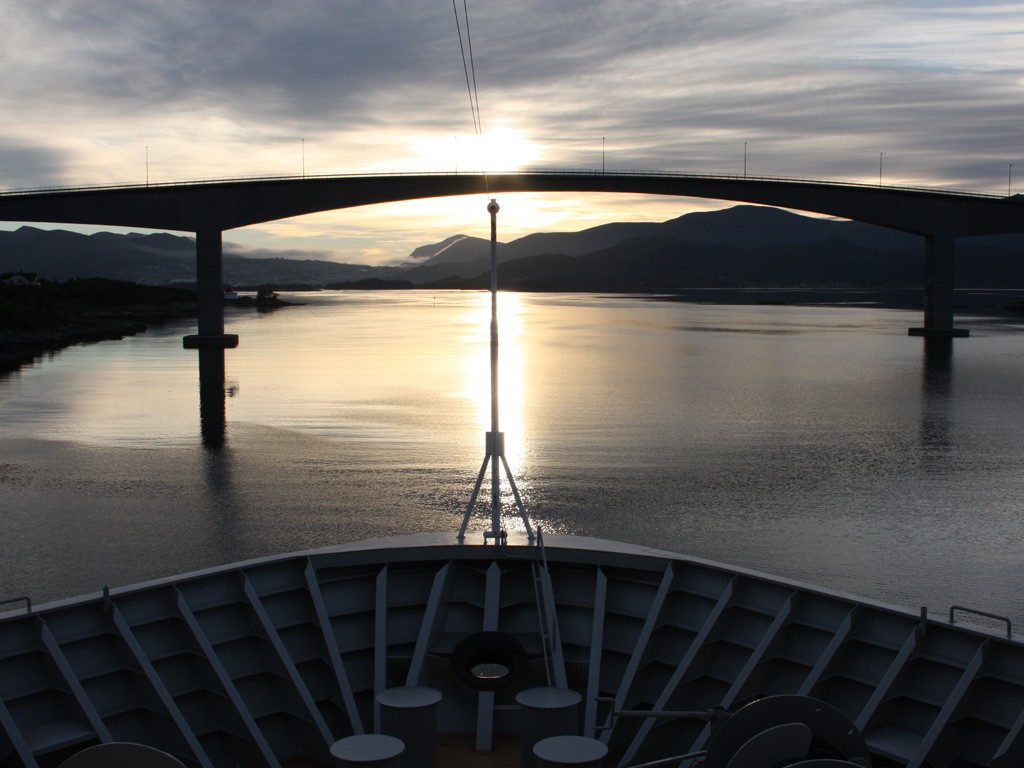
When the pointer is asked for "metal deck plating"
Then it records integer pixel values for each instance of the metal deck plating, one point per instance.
(273, 660)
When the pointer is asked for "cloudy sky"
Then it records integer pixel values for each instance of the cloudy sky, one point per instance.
(97, 91)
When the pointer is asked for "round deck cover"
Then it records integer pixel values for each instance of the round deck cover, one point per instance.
(570, 750)
(548, 698)
(367, 748)
(412, 697)
(121, 754)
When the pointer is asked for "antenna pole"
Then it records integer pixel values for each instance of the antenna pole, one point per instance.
(495, 439)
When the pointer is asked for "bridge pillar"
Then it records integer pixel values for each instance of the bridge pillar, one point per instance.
(938, 289)
(210, 291)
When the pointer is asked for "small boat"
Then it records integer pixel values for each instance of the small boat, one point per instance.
(265, 298)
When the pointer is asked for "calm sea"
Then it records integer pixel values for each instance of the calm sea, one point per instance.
(822, 444)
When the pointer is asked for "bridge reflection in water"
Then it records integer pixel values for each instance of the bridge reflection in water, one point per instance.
(209, 208)
(936, 391)
(212, 398)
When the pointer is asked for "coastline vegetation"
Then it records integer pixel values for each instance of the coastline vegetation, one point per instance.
(45, 316)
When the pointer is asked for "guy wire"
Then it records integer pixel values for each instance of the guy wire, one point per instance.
(470, 71)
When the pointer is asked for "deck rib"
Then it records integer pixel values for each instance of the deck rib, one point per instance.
(1011, 751)
(596, 652)
(758, 653)
(949, 707)
(419, 654)
(640, 648)
(710, 622)
(274, 637)
(333, 652)
(883, 686)
(226, 682)
(165, 696)
(17, 738)
(838, 638)
(380, 641)
(75, 686)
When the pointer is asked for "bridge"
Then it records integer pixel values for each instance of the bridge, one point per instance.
(209, 208)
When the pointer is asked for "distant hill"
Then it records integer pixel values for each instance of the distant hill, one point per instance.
(739, 247)
(157, 259)
(666, 264)
(456, 256)
(743, 246)
(751, 226)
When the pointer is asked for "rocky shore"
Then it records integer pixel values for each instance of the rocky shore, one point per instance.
(36, 320)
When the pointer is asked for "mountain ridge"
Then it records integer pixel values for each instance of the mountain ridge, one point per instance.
(157, 258)
(740, 246)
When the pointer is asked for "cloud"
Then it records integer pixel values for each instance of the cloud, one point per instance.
(237, 249)
(118, 90)
(23, 164)
(373, 256)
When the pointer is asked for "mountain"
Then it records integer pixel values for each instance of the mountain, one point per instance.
(742, 246)
(453, 250)
(456, 256)
(157, 259)
(752, 226)
(738, 247)
(60, 255)
(665, 264)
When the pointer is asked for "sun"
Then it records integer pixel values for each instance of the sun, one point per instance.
(503, 149)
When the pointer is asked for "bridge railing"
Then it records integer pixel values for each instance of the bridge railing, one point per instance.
(519, 172)
(751, 177)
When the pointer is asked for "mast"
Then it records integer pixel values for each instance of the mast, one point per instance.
(495, 439)
(494, 443)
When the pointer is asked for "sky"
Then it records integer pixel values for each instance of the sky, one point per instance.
(121, 91)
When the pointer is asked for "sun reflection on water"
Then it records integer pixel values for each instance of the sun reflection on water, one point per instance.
(511, 393)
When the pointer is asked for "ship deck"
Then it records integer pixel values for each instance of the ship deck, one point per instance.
(269, 662)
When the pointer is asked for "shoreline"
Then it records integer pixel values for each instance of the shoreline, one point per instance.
(20, 348)
(967, 301)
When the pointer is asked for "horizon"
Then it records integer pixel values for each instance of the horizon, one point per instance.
(234, 249)
(922, 95)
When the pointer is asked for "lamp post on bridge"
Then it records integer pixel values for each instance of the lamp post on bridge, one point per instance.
(880, 168)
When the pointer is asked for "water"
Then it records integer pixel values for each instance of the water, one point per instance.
(820, 444)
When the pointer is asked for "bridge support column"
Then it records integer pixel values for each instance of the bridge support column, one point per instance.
(938, 289)
(210, 290)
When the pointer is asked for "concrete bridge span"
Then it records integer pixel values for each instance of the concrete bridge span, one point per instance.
(210, 208)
